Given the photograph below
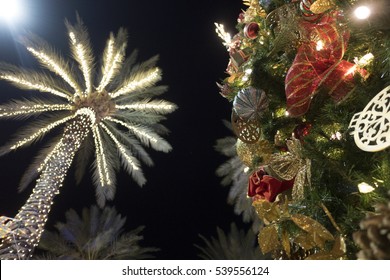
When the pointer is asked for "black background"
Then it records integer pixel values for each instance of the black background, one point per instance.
(183, 197)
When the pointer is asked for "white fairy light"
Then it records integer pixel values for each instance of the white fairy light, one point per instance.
(365, 188)
(363, 61)
(111, 67)
(362, 12)
(34, 86)
(80, 51)
(144, 79)
(336, 136)
(40, 132)
(120, 147)
(38, 108)
(225, 36)
(319, 45)
(160, 106)
(104, 175)
(54, 65)
(138, 132)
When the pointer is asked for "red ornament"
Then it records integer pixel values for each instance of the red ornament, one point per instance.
(302, 130)
(251, 30)
(263, 186)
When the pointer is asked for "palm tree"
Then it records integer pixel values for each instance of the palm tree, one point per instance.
(95, 235)
(234, 245)
(235, 175)
(114, 117)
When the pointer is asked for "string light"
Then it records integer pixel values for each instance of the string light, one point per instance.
(40, 132)
(136, 130)
(144, 79)
(365, 188)
(159, 106)
(104, 175)
(225, 36)
(130, 160)
(85, 68)
(362, 12)
(34, 109)
(112, 65)
(34, 86)
(55, 67)
(319, 45)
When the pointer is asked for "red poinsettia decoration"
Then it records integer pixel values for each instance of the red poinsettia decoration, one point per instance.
(264, 186)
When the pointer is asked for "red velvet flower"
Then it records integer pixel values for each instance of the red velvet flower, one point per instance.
(263, 186)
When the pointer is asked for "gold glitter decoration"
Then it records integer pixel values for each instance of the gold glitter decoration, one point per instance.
(268, 211)
(321, 6)
(256, 154)
(315, 230)
(310, 240)
(284, 22)
(338, 251)
(253, 10)
(268, 239)
(287, 166)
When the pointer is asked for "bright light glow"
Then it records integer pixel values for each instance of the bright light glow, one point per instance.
(320, 45)
(10, 10)
(365, 60)
(225, 36)
(362, 12)
(365, 188)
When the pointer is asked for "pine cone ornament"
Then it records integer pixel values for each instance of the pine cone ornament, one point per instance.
(374, 236)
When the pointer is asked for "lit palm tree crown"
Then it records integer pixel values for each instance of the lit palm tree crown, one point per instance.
(119, 110)
(111, 112)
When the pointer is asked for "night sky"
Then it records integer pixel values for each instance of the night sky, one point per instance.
(182, 197)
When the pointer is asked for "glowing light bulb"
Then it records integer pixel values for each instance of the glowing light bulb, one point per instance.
(320, 45)
(362, 12)
(365, 188)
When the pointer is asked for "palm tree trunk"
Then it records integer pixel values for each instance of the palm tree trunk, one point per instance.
(28, 225)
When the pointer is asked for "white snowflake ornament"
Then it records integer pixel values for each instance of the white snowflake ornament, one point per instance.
(371, 127)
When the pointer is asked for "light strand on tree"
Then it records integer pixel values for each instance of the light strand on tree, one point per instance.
(144, 79)
(130, 160)
(136, 130)
(40, 132)
(225, 36)
(111, 67)
(31, 218)
(83, 111)
(85, 67)
(34, 86)
(159, 106)
(55, 67)
(101, 160)
(38, 108)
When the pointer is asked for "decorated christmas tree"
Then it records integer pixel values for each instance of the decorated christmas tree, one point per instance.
(309, 85)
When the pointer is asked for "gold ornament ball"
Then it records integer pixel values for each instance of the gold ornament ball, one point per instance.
(255, 154)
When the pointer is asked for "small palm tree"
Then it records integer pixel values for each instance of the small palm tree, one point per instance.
(235, 245)
(114, 118)
(233, 173)
(95, 235)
